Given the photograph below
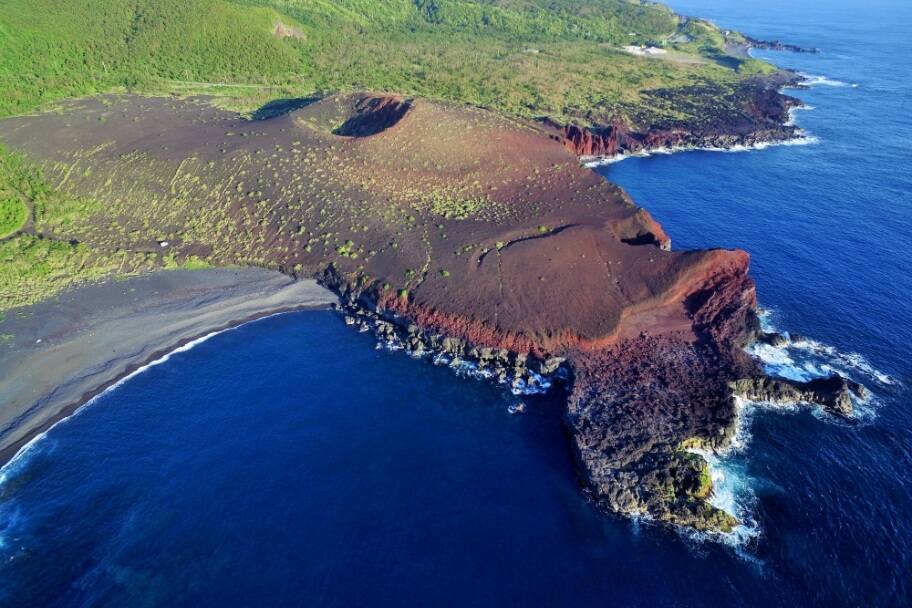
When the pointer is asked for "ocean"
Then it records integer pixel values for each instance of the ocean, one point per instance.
(291, 462)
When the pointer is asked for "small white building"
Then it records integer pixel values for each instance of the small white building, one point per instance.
(638, 50)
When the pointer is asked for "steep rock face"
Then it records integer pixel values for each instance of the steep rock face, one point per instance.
(457, 230)
(614, 140)
(633, 409)
(639, 399)
(372, 115)
(775, 45)
(641, 229)
(637, 405)
(724, 306)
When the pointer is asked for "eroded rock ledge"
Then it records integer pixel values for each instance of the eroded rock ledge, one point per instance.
(833, 392)
(638, 400)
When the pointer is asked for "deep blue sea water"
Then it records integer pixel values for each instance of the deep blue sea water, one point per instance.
(289, 462)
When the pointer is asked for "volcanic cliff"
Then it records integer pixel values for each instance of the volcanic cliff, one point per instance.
(764, 118)
(449, 228)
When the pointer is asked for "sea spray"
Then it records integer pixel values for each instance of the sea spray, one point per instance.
(533, 384)
(521, 374)
(811, 80)
(802, 358)
(732, 487)
(803, 139)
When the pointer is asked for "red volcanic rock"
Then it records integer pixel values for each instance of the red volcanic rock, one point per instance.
(762, 117)
(585, 142)
(372, 115)
(468, 232)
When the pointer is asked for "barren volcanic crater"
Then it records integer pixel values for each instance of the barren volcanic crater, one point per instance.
(453, 228)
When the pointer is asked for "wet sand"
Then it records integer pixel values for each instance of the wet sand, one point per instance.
(58, 354)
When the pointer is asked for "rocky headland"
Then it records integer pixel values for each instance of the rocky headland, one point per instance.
(452, 229)
(775, 45)
(764, 119)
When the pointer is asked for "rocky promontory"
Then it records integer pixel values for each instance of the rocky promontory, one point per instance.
(833, 392)
(764, 119)
(454, 230)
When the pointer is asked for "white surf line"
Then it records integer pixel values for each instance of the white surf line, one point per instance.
(13, 462)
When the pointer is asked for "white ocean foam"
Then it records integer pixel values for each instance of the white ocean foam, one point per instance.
(812, 80)
(805, 359)
(732, 493)
(535, 385)
(777, 362)
(791, 122)
(733, 487)
(844, 361)
(804, 139)
(607, 160)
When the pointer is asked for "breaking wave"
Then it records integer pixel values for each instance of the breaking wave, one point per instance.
(799, 359)
(733, 487)
(812, 80)
(535, 384)
(804, 139)
(804, 359)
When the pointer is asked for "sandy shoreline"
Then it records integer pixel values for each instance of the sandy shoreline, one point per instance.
(65, 351)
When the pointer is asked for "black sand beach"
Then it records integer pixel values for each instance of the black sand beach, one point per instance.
(60, 353)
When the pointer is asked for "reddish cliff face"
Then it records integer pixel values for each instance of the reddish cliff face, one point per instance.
(643, 394)
(586, 142)
(469, 232)
(710, 300)
(614, 140)
(373, 115)
(762, 118)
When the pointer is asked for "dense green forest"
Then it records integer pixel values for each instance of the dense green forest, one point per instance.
(526, 57)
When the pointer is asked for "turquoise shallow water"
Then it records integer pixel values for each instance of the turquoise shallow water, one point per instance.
(290, 462)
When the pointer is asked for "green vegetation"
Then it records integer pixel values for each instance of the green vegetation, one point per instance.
(700, 482)
(534, 58)
(33, 268)
(13, 214)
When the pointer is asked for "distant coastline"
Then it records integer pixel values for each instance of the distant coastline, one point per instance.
(782, 130)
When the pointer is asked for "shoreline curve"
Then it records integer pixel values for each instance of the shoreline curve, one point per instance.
(47, 379)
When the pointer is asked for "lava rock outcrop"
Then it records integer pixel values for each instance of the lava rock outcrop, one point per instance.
(453, 229)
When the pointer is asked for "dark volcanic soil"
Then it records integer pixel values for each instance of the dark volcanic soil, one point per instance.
(477, 227)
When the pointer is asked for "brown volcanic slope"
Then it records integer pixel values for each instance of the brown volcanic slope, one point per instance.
(466, 223)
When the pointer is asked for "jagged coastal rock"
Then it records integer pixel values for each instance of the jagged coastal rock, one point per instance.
(764, 120)
(775, 45)
(833, 392)
(451, 229)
